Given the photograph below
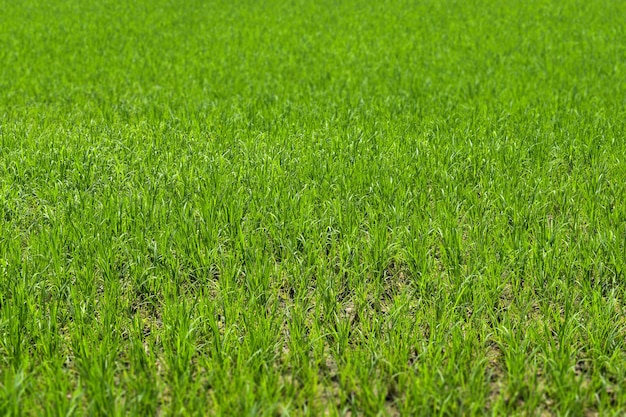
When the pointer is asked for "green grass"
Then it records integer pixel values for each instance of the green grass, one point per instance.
(312, 207)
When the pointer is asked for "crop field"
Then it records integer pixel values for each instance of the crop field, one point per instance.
(285, 208)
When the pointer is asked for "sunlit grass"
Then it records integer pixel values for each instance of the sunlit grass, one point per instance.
(306, 208)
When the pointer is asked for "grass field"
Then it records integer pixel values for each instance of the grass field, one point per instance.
(312, 207)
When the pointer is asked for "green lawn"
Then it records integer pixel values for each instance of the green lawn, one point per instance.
(302, 207)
